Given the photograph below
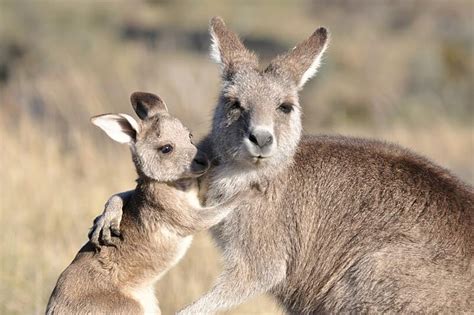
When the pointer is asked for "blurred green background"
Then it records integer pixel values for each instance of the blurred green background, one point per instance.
(399, 71)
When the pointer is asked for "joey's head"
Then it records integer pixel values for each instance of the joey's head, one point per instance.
(161, 146)
(257, 122)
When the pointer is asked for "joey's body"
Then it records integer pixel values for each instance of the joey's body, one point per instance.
(159, 217)
(121, 278)
(349, 238)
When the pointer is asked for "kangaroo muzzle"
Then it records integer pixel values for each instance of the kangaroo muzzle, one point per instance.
(260, 143)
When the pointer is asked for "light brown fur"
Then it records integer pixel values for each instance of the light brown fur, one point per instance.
(158, 219)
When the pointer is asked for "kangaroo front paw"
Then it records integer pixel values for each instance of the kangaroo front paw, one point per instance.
(105, 230)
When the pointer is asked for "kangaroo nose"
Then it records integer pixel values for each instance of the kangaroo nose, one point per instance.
(261, 138)
(200, 163)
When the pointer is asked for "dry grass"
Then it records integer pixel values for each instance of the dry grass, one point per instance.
(57, 171)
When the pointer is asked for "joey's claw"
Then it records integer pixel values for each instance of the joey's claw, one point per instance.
(94, 233)
(106, 236)
(108, 233)
(89, 235)
(110, 242)
(115, 230)
(97, 218)
(115, 226)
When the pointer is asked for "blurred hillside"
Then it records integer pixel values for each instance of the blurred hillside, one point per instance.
(401, 71)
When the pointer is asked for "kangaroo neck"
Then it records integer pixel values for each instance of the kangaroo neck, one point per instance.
(226, 180)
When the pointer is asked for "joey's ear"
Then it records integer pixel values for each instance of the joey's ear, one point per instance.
(120, 127)
(302, 63)
(147, 105)
(227, 49)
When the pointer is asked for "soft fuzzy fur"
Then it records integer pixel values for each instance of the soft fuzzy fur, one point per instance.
(337, 224)
(159, 218)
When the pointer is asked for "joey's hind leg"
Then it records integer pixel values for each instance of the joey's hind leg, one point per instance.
(113, 303)
(108, 223)
(238, 282)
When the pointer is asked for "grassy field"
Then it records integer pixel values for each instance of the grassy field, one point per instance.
(402, 73)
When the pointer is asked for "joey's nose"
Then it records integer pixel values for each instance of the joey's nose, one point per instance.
(261, 138)
(200, 163)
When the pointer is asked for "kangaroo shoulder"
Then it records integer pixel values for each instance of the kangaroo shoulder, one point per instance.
(377, 160)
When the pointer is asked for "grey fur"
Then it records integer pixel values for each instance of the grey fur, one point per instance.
(338, 224)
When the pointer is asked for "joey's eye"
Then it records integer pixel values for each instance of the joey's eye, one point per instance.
(166, 149)
(191, 136)
(285, 108)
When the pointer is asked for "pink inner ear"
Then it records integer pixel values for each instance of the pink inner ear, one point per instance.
(119, 127)
(133, 123)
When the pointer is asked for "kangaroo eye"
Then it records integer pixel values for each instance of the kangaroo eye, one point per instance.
(166, 149)
(285, 108)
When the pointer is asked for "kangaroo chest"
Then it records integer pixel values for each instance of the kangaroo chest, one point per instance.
(245, 227)
(256, 216)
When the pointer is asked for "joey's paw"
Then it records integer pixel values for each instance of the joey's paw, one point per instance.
(104, 232)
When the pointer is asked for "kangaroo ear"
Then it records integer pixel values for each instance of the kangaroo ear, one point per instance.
(147, 105)
(120, 127)
(302, 63)
(227, 49)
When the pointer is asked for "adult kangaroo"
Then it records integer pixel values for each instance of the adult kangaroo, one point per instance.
(338, 224)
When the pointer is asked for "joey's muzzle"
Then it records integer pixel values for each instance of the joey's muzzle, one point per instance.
(200, 164)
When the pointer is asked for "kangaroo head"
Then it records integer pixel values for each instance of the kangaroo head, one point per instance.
(161, 146)
(257, 121)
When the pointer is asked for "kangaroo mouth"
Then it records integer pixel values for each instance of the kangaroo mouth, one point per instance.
(259, 159)
(252, 157)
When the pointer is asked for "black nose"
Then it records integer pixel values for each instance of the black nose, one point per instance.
(200, 163)
(261, 138)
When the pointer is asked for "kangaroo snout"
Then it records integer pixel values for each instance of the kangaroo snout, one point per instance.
(260, 142)
(261, 138)
(200, 164)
